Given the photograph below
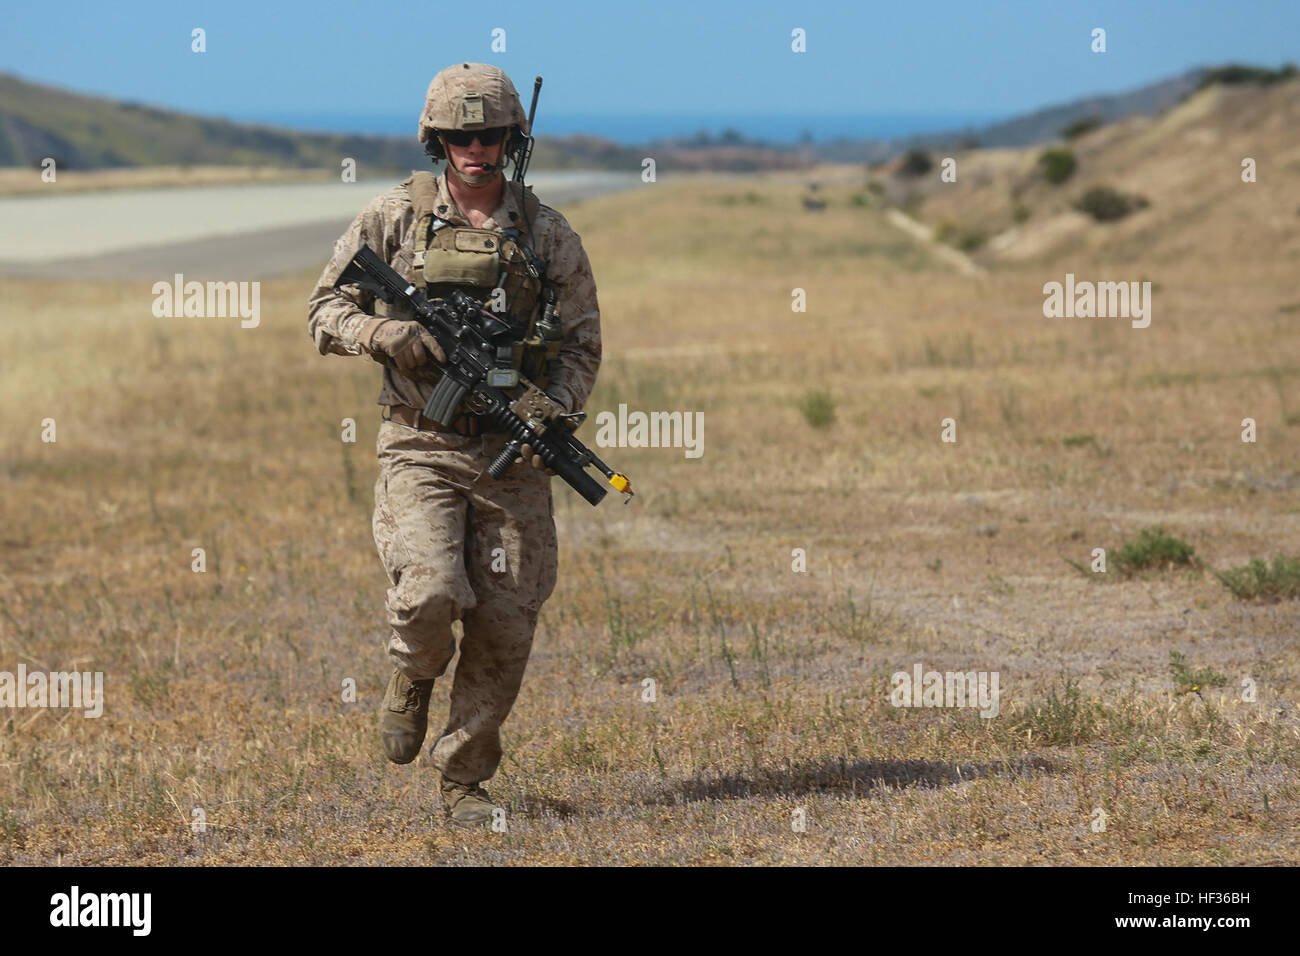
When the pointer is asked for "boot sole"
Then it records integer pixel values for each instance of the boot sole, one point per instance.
(470, 824)
(395, 755)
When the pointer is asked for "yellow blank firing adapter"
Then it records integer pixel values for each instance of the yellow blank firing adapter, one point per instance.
(619, 480)
(621, 483)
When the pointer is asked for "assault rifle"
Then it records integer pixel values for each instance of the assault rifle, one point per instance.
(479, 369)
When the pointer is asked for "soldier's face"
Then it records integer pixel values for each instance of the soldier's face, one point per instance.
(470, 159)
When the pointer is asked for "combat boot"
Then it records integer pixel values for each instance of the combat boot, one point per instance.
(466, 805)
(405, 717)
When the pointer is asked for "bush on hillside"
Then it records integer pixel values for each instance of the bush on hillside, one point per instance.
(1236, 74)
(916, 163)
(1058, 165)
(1105, 204)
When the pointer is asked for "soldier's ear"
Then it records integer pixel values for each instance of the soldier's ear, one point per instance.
(433, 147)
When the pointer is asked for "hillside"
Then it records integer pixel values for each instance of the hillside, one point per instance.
(85, 132)
(1182, 171)
(89, 132)
(1037, 127)
(1045, 124)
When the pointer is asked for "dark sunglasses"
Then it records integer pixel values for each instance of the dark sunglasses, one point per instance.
(461, 138)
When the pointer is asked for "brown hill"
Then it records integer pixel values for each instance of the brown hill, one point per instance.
(1182, 170)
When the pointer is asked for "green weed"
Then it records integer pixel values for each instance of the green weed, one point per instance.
(1154, 549)
(1258, 581)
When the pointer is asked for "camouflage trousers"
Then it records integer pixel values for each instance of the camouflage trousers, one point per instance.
(459, 544)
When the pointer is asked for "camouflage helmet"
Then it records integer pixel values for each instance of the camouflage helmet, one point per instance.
(471, 96)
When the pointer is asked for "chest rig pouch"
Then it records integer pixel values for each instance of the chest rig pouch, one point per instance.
(494, 268)
(460, 256)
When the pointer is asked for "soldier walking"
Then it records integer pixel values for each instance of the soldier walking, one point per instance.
(455, 543)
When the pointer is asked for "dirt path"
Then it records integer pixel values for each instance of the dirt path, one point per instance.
(924, 234)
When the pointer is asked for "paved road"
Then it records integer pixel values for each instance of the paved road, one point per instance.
(252, 231)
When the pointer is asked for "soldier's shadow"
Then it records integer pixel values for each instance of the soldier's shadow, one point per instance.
(849, 777)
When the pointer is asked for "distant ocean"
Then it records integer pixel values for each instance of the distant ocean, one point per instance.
(629, 129)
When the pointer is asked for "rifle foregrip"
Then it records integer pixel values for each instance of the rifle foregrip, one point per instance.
(501, 464)
(555, 458)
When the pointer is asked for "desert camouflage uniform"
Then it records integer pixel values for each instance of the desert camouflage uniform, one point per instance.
(439, 518)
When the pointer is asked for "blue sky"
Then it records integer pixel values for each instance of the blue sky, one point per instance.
(369, 63)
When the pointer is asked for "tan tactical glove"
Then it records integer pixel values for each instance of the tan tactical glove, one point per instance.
(527, 455)
(408, 344)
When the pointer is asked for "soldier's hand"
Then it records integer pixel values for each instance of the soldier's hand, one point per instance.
(526, 454)
(408, 344)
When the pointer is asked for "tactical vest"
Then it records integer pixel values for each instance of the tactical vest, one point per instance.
(493, 267)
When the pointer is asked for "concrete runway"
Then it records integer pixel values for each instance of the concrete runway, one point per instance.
(255, 231)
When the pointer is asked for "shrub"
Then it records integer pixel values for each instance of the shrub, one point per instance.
(1154, 548)
(1258, 581)
(1066, 717)
(818, 408)
(1236, 73)
(1105, 204)
(916, 162)
(1058, 165)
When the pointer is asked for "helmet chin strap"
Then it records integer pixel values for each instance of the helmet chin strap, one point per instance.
(481, 179)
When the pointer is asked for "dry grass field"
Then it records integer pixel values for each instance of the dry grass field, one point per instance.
(773, 686)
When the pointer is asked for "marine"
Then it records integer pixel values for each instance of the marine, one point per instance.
(442, 525)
